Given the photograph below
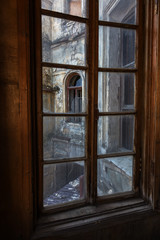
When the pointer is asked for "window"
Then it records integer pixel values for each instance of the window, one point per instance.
(87, 111)
(74, 92)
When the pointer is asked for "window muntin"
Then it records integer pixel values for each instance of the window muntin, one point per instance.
(105, 66)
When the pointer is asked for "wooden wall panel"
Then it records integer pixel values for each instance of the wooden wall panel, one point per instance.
(15, 147)
(8, 42)
(10, 184)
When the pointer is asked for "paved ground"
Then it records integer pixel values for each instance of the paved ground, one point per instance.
(69, 192)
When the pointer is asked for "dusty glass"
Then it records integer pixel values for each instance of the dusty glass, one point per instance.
(114, 175)
(72, 7)
(116, 47)
(116, 92)
(63, 41)
(63, 183)
(64, 137)
(120, 11)
(115, 134)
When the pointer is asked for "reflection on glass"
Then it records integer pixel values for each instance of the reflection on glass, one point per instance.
(114, 175)
(116, 47)
(120, 11)
(115, 134)
(63, 41)
(63, 183)
(116, 92)
(64, 90)
(63, 137)
(72, 7)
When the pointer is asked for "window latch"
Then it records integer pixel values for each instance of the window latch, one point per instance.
(156, 6)
(96, 114)
(140, 165)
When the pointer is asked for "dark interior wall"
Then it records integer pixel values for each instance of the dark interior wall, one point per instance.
(10, 191)
(15, 134)
(15, 208)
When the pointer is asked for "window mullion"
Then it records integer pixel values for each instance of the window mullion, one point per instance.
(66, 66)
(38, 54)
(93, 95)
(140, 86)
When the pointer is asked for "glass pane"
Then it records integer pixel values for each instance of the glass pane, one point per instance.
(114, 175)
(72, 7)
(116, 92)
(63, 41)
(120, 11)
(116, 47)
(115, 134)
(64, 90)
(63, 183)
(64, 137)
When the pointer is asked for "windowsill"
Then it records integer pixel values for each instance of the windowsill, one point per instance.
(91, 216)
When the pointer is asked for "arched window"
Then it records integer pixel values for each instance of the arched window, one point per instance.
(74, 92)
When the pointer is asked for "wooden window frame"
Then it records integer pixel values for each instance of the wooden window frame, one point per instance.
(147, 164)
